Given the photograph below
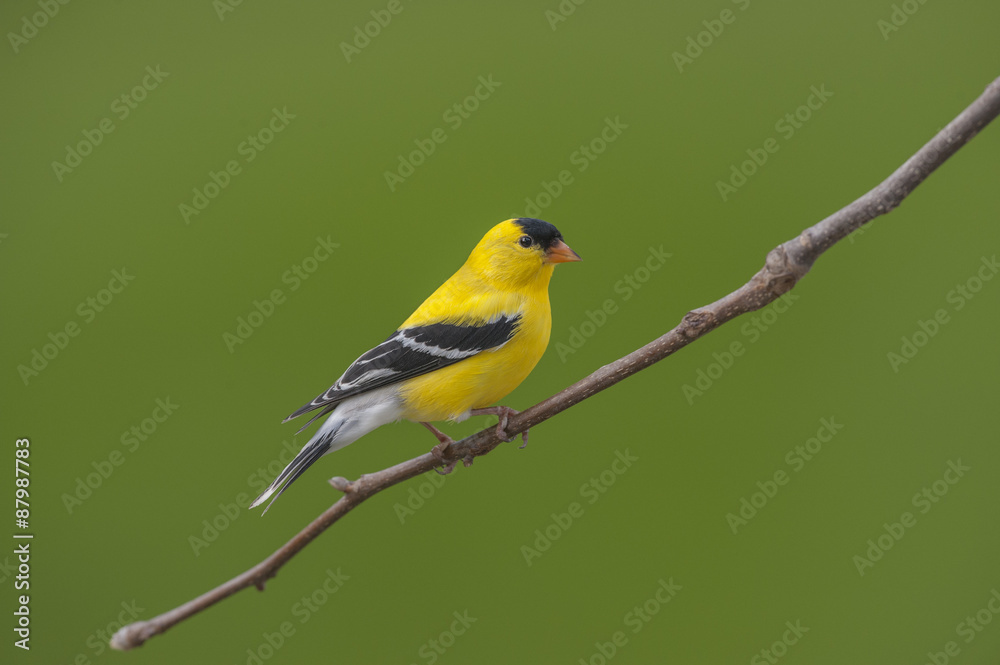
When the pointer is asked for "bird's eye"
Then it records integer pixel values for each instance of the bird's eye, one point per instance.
(524, 241)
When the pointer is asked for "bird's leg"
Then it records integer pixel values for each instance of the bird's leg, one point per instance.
(438, 450)
(502, 413)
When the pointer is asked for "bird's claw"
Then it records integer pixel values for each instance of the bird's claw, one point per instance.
(438, 452)
(502, 433)
(446, 469)
(502, 413)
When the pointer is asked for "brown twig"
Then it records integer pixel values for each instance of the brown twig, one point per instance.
(784, 267)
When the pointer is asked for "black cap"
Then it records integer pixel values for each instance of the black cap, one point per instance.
(541, 232)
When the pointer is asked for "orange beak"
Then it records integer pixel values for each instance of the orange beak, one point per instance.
(560, 252)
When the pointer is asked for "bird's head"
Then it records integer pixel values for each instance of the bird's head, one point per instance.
(520, 252)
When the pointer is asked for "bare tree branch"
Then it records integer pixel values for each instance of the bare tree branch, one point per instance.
(784, 267)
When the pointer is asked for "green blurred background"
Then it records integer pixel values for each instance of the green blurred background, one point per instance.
(165, 523)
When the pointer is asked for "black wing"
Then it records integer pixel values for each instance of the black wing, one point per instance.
(411, 352)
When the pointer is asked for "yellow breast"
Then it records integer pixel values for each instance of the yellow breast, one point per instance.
(484, 379)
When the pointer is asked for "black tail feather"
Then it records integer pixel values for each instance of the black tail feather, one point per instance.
(306, 457)
(314, 418)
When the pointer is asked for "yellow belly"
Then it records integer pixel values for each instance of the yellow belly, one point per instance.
(479, 381)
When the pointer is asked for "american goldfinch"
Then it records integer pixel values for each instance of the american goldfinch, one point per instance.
(465, 348)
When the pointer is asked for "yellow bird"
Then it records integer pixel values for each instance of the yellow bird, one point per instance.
(465, 348)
